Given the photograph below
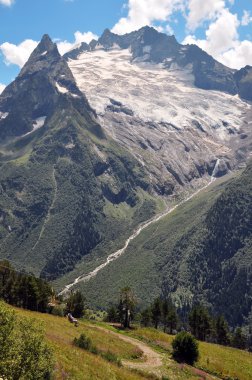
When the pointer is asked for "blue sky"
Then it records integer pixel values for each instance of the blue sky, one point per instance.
(222, 27)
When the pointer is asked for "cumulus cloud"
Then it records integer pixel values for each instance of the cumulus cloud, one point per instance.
(146, 12)
(8, 3)
(239, 56)
(222, 41)
(200, 11)
(2, 87)
(79, 37)
(246, 18)
(17, 54)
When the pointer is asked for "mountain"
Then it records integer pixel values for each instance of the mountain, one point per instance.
(149, 45)
(96, 143)
(144, 89)
(202, 252)
(244, 82)
(61, 177)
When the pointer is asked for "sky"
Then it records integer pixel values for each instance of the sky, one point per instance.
(221, 27)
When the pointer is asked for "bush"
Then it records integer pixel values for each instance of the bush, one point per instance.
(185, 348)
(24, 355)
(83, 342)
(58, 311)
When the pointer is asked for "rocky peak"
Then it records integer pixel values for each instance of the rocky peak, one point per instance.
(73, 54)
(108, 39)
(45, 55)
(44, 83)
(243, 79)
(45, 44)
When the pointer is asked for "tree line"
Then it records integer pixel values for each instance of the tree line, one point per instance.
(23, 290)
(162, 313)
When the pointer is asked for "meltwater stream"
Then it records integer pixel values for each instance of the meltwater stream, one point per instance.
(114, 256)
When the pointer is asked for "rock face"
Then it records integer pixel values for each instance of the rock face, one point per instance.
(93, 146)
(150, 104)
(243, 78)
(60, 176)
(38, 91)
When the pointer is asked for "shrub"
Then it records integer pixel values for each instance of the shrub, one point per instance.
(185, 348)
(24, 355)
(58, 310)
(83, 342)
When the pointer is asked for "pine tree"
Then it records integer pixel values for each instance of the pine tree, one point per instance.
(146, 317)
(239, 340)
(222, 331)
(126, 306)
(200, 322)
(156, 312)
(76, 304)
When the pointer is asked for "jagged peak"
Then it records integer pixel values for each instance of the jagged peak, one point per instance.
(43, 55)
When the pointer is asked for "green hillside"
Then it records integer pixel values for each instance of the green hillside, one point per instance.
(216, 362)
(199, 253)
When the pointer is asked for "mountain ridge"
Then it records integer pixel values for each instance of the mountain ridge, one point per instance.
(94, 146)
(209, 73)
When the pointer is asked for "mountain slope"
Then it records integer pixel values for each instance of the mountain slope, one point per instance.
(59, 171)
(142, 86)
(199, 253)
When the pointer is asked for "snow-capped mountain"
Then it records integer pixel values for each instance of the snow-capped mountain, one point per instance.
(93, 145)
(174, 107)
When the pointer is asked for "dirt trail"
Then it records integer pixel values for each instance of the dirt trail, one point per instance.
(153, 361)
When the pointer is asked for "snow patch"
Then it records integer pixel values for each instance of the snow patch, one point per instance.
(37, 124)
(61, 89)
(45, 52)
(147, 49)
(3, 115)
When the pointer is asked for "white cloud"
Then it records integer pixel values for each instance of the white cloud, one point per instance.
(146, 12)
(8, 3)
(239, 56)
(200, 11)
(2, 87)
(246, 18)
(87, 37)
(17, 54)
(222, 41)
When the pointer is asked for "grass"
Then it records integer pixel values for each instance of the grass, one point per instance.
(224, 362)
(216, 361)
(75, 363)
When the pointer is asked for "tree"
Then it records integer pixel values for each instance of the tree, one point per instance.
(146, 317)
(112, 315)
(172, 320)
(165, 312)
(239, 340)
(76, 304)
(185, 348)
(200, 322)
(23, 352)
(222, 331)
(23, 290)
(156, 312)
(126, 306)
